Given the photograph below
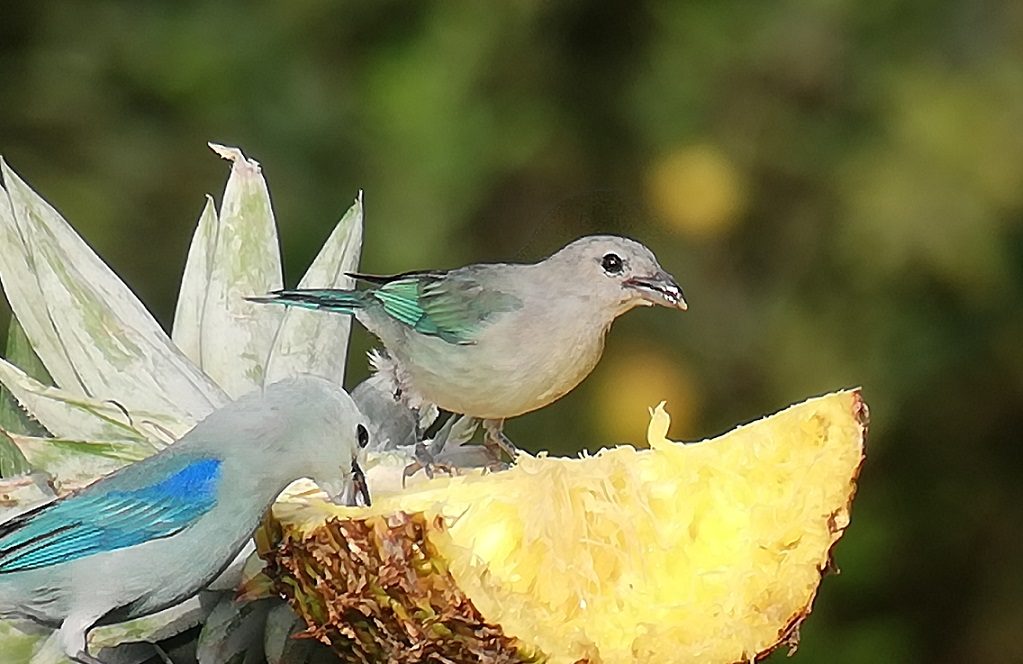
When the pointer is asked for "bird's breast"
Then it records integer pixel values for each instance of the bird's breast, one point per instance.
(506, 372)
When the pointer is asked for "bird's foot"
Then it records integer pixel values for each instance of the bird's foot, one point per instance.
(496, 466)
(426, 462)
(497, 442)
(73, 639)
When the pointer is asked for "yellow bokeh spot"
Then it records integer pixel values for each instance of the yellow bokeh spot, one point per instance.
(635, 381)
(697, 190)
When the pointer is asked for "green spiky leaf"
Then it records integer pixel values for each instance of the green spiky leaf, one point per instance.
(12, 417)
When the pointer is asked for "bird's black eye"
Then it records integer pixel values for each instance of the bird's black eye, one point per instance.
(362, 435)
(612, 263)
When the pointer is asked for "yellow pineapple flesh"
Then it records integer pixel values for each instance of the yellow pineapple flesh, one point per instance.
(699, 552)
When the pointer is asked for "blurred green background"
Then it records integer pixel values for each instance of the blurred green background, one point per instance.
(838, 186)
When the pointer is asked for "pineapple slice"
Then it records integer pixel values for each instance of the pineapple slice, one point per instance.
(702, 552)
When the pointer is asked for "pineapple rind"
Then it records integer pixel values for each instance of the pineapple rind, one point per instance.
(376, 590)
(701, 552)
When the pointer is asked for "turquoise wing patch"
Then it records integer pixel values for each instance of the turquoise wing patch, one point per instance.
(453, 308)
(100, 519)
(401, 300)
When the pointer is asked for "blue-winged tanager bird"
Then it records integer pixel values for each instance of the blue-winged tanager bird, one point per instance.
(154, 533)
(498, 340)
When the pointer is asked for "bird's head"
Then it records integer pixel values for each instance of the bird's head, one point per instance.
(347, 484)
(327, 436)
(621, 271)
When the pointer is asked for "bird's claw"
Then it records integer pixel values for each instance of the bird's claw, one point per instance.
(496, 466)
(497, 442)
(425, 462)
(429, 469)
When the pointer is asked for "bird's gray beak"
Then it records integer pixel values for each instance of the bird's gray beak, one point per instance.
(661, 288)
(361, 486)
(354, 493)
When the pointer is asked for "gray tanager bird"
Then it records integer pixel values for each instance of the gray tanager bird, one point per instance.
(493, 341)
(154, 533)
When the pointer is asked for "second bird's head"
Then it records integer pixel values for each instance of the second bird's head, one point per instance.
(329, 432)
(620, 271)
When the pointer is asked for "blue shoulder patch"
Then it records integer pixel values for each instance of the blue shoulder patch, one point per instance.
(100, 518)
(197, 478)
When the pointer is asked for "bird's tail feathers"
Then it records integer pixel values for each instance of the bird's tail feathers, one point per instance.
(327, 299)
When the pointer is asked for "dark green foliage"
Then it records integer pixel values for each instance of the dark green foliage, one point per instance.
(12, 462)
